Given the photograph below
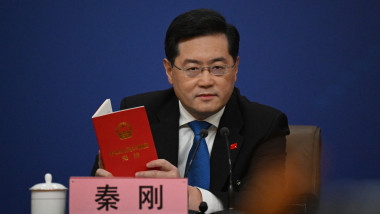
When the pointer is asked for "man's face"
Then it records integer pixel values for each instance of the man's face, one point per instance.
(205, 94)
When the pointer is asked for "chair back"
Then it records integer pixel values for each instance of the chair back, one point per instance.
(303, 148)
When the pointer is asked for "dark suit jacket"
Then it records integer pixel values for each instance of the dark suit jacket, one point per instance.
(258, 130)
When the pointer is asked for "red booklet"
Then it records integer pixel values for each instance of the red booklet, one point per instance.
(125, 140)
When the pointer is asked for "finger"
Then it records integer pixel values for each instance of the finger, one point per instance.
(148, 174)
(103, 173)
(100, 161)
(157, 174)
(161, 163)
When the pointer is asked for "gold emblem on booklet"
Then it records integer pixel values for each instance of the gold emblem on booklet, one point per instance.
(124, 130)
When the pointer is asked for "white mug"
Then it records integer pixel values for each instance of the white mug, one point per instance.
(48, 197)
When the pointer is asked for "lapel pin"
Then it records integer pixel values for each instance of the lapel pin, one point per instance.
(233, 146)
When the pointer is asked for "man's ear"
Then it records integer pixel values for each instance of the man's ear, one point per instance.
(236, 67)
(169, 69)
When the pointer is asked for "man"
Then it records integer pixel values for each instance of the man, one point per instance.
(202, 65)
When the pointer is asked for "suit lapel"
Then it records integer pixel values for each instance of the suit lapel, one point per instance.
(166, 131)
(233, 120)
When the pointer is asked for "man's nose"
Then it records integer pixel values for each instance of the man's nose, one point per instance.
(206, 78)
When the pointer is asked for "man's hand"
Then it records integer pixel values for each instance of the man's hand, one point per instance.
(101, 172)
(195, 198)
(167, 170)
(160, 169)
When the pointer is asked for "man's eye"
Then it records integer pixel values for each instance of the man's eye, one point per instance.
(217, 67)
(192, 69)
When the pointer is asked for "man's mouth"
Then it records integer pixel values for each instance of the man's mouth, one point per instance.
(206, 96)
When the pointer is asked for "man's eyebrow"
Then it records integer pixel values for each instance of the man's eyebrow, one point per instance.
(187, 61)
(219, 59)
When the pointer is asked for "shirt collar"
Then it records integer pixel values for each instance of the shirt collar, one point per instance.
(185, 117)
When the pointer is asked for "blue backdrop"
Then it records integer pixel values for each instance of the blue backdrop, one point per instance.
(317, 61)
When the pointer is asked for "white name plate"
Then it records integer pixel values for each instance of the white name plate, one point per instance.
(127, 195)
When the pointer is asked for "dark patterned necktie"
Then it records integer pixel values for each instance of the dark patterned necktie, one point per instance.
(199, 173)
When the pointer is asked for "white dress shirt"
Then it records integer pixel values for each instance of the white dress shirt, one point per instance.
(186, 137)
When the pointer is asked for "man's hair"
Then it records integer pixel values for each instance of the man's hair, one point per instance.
(200, 22)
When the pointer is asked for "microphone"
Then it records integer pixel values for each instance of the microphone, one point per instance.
(203, 134)
(226, 132)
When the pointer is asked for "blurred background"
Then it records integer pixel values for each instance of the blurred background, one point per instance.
(317, 61)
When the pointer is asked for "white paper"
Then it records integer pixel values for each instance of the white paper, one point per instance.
(105, 108)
